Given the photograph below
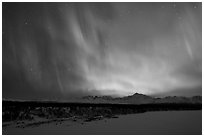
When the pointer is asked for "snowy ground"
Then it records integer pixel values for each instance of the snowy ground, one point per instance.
(163, 122)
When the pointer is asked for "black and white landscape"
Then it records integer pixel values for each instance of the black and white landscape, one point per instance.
(83, 115)
(102, 68)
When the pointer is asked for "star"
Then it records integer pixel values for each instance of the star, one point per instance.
(26, 21)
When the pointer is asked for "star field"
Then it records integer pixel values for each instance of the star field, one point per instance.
(65, 50)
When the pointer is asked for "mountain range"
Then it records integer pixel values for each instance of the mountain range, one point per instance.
(132, 99)
(141, 99)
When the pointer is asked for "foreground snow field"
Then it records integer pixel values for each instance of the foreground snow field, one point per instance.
(162, 122)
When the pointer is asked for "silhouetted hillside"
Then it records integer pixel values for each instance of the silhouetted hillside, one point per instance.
(141, 99)
(94, 107)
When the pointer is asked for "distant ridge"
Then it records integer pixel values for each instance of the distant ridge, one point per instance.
(136, 98)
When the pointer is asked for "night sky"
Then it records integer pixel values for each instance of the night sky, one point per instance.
(65, 50)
